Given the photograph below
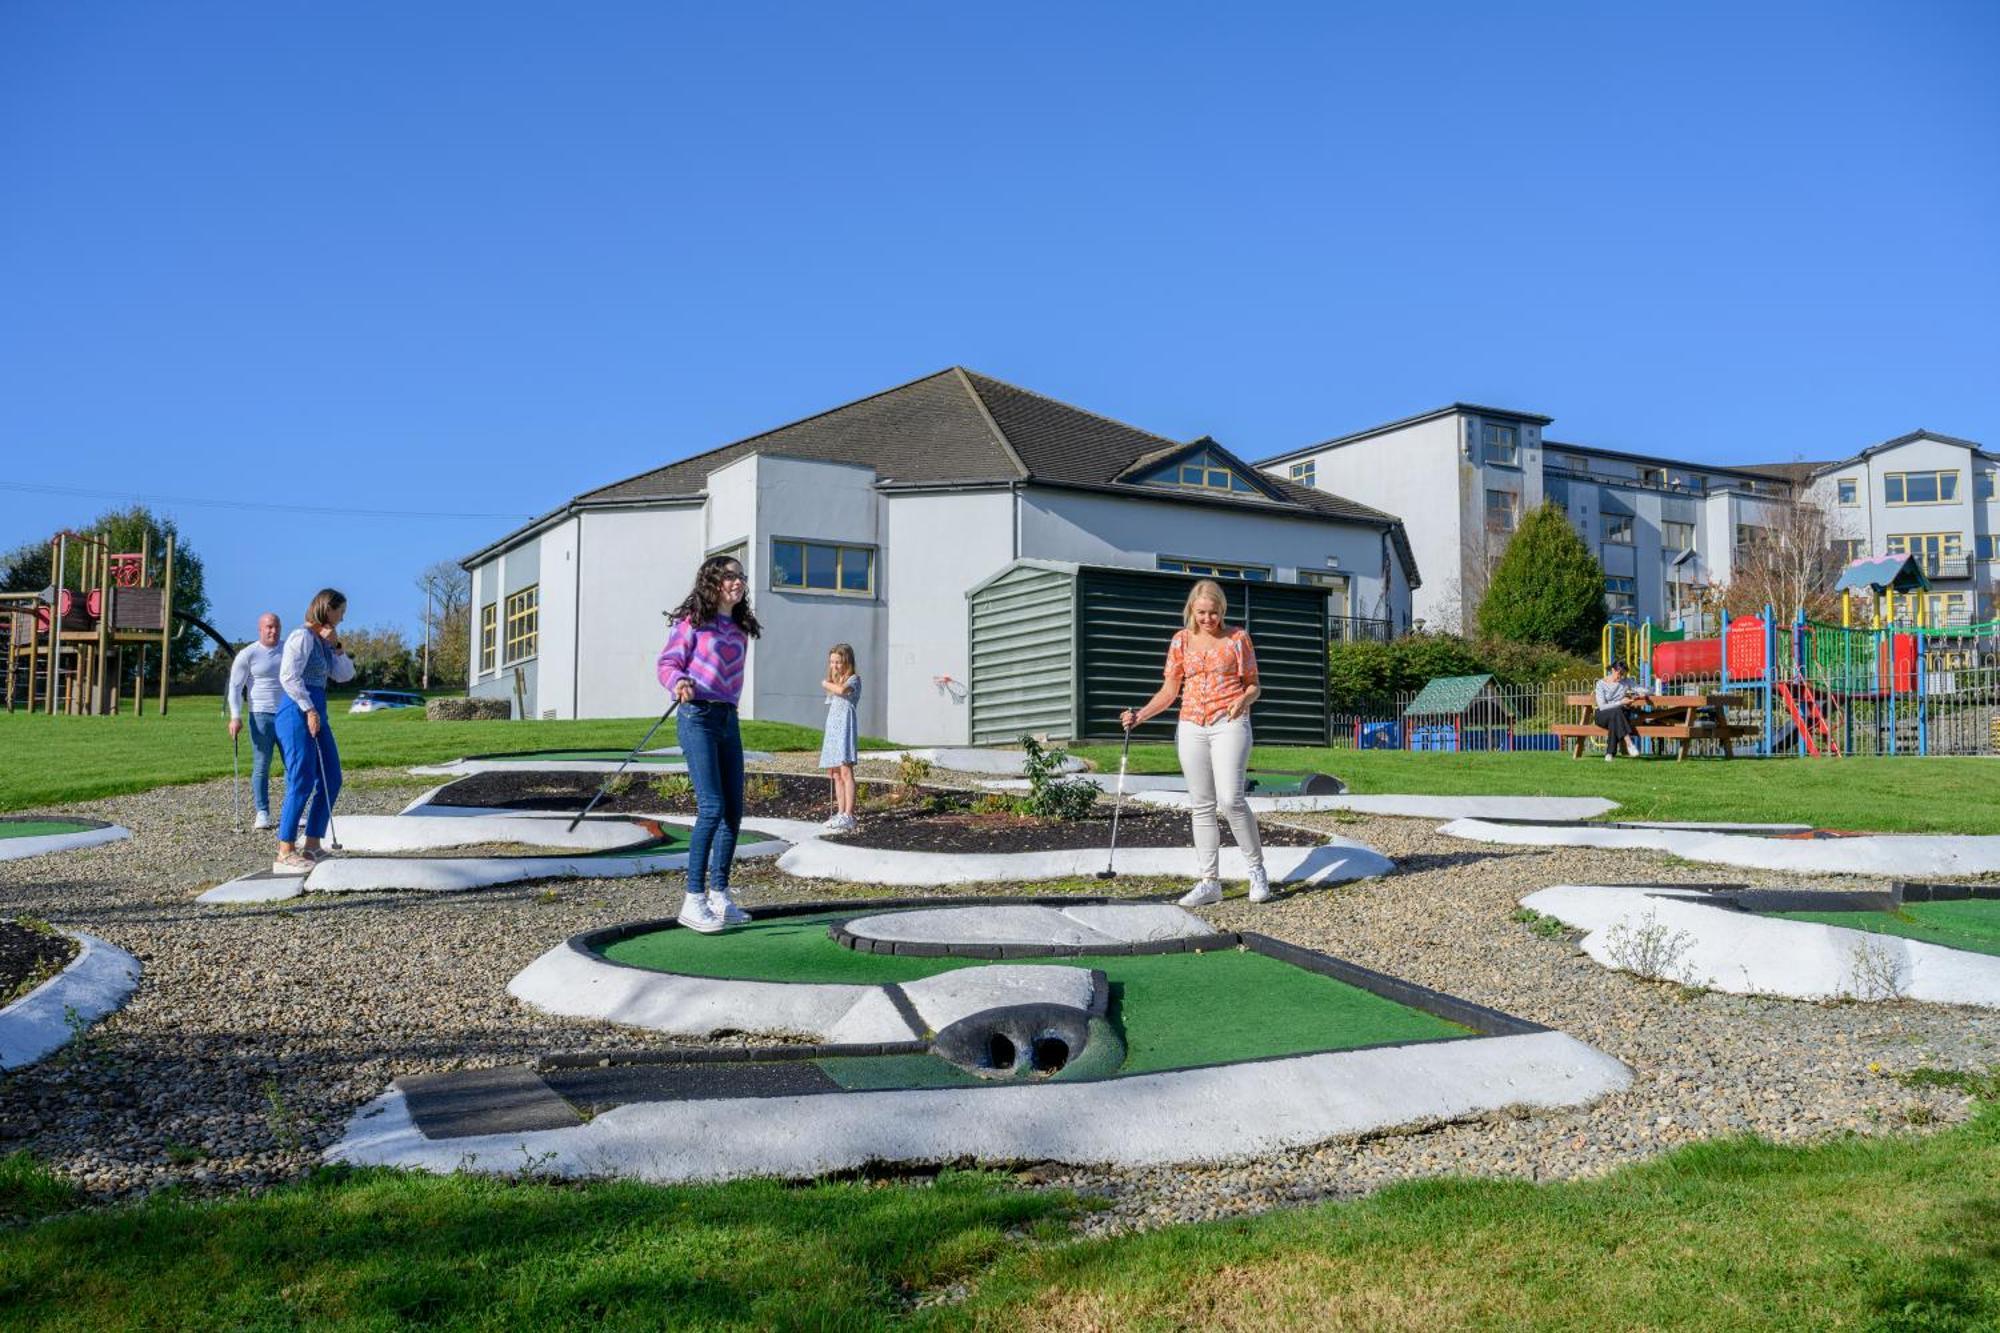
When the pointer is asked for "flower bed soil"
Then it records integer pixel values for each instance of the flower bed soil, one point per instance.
(797, 795)
(950, 825)
(30, 957)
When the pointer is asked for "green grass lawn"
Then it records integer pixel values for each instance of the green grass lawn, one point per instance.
(1877, 795)
(1251, 1007)
(1968, 923)
(49, 760)
(1889, 1233)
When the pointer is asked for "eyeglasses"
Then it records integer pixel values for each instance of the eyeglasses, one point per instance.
(733, 578)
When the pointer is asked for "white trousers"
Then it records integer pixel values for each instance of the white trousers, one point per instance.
(1213, 760)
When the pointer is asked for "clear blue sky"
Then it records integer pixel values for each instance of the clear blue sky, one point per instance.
(475, 258)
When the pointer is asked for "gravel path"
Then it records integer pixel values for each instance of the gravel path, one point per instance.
(257, 1030)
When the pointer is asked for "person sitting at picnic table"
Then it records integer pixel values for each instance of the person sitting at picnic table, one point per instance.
(1615, 698)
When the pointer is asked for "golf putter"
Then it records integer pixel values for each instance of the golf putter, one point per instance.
(1117, 807)
(236, 785)
(319, 746)
(605, 785)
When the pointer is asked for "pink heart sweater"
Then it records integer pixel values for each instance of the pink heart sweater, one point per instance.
(710, 655)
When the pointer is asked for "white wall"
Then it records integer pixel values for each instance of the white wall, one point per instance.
(940, 545)
(1415, 474)
(637, 565)
(555, 666)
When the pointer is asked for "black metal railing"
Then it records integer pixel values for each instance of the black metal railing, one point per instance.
(1351, 629)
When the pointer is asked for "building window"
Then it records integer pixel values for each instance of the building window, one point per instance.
(1920, 488)
(523, 624)
(1931, 549)
(1202, 470)
(1653, 476)
(845, 571)
(1500, 444)
(489, 634)
(1306, 473)
(1618, 529)
(1946, 608)
(1749, 535)
(1982, 485)
(1212, 569)
(1984, 546)
(1503, 509)
(1555, 490)
(1676, 537)
(1333, 581)
(1850, 549)
(1620, 594)
(1849, 489)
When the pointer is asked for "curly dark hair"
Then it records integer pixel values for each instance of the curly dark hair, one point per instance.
(699, 606)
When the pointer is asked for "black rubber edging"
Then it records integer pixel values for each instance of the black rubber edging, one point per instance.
(85, 825)
(1920, 891)
(1482, 1020)
(738, 1055)
(837, 931)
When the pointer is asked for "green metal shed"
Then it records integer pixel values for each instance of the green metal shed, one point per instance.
(1059, 649)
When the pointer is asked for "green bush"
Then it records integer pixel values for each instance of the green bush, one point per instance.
(1548, 588)
(1366, 677)
(1051, 796)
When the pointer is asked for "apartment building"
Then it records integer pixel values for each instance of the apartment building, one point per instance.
(1923, 494)
(1461, 476)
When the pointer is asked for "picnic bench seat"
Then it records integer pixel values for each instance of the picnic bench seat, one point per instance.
(1683, 718)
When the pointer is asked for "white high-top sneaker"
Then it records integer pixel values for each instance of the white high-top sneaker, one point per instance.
(1205, 894)
(695, 915)
(722, 906)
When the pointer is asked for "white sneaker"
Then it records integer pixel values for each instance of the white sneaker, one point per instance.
(1205, 894)
(263, 819)
(696, 916)
(832, 824)
(1260, 885)
(848, 823)
(1609, 756)
(723, 908)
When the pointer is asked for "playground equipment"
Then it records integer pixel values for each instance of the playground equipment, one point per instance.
(65, 647)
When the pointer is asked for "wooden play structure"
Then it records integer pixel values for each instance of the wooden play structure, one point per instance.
(66, 647)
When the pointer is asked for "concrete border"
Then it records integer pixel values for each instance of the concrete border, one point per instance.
(1896, 855)
(1412, 806)
(99, 833)
(412, 833)
(1333, 861)
(97, 982)
(526, 759)
(970, 759)
(1714, 942)
(1162, 1119)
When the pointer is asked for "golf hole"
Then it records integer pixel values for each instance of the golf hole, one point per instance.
(1000, 1053)
(1049, 1054)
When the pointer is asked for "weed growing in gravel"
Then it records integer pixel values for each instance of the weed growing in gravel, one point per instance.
(618, 785)
(184, 1154)
(1651, 951)
(675, 788)
(1875, 971)
(279, 1118)
(548, 898)
(1983, 1084)
(1548, 927)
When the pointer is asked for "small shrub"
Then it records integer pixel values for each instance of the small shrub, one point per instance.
(618, 784)
(993, 803)
(1051, 796)
(913, 770)
(1651, 951)
(760, 788)
(675, 788)
(1875, 971)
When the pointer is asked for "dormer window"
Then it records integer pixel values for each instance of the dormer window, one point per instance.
(1202, 470)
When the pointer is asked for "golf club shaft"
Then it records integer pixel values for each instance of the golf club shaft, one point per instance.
(236, 784)
(605, 785)
(319, 748)
(1118, 805)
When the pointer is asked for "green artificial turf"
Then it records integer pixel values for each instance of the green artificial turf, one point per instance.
(1972, 924)
(39, 828)
(1175, 1010)
(864, 1073)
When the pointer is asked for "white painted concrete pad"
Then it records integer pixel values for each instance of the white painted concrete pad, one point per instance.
(1415, 806)
(1072, 927)
(400, 833)
(1105, 782)
(459, 768)
(20, 849)
(1746, 954)
(1333, 862)
(1181, 1117)
(970, 759)
(97, 982)
(950, 996)
(1905, 856)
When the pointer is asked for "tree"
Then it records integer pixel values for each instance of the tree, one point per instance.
(1547, 588)
(447, 590)
(382, 658)
(26, 569)
(1789, 565)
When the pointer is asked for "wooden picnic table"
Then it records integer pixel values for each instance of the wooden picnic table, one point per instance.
(1683, 718)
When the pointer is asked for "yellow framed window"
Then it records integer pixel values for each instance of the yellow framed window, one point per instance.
(825, 567)
(1919, 488)
(523, 623)
(489, 634)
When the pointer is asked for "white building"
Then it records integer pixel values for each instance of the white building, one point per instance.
(868, 524)
(1922, 494)
(1461, 477)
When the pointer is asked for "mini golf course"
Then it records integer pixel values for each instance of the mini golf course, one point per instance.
(1910, 943)
(1157, 1040)
(660, 759)
(1808, 851)
(22, 836)
(97, 978)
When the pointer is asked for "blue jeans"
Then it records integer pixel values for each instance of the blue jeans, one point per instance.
(263, 735)
(312, 771)
(713, 748)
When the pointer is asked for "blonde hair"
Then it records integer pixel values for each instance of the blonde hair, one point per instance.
(845, 652)
(324, 603)
(1204, 590)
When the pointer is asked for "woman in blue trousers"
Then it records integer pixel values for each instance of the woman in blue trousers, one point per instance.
(312, 657)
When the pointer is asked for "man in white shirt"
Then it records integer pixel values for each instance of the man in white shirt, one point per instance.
(254, 675)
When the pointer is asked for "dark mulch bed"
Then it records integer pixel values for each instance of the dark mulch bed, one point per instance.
(28, 958)
(794, 795)
(946, 824)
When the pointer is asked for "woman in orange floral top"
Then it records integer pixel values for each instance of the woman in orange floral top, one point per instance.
(1213, 671)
